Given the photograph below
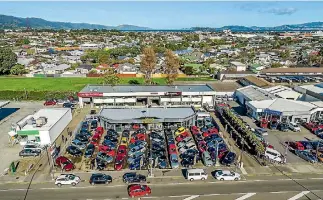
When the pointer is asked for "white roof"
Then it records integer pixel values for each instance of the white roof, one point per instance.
(53, 115)
(3, 103)
(313, 88)
(195, 170)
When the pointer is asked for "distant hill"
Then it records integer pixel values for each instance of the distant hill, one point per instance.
(11, 22)
(292, 27)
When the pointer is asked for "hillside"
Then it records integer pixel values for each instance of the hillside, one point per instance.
(11, 22)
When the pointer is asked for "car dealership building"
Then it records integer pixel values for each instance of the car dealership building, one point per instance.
(147, 95)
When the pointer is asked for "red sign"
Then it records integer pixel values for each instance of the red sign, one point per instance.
(90, 94)
(173, 93)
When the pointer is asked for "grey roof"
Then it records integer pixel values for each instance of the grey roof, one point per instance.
(256, 94)
(146, 88)
(135, 113)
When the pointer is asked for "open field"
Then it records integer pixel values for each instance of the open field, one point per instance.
(65, 84)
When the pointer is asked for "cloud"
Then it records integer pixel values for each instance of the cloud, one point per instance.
(279, 11)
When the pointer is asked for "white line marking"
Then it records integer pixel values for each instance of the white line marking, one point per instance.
(191, 197)
(246, 196)
(179, 196)
(124, 198)
(299, 195)
(280, 192)
(244, 172)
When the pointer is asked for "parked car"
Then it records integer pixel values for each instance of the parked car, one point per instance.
(172, 149)
(74, 151)
(67, 179)
(206, 158)
(283, 127)
(89, 151)
(29, 152)
(50, 103)
(179, 131)
(124, 141)
(226, 175)
(68, 105)
(138, 190)
(196, 174)
(135, 150)
(33, 147)
(273, 155)
(99, 178)
(229, 158)
(306, 155)
(133, 177)
(181, 137)
(119, 162)
(94, 124)
(294, 127)
(64, 163)
(162, 162)
(77, 143)
(174, 161)
(138, 143)
(104, 157)
(261, 131)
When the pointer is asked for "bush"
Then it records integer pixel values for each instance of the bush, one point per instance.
(133, 82)
(34, 95)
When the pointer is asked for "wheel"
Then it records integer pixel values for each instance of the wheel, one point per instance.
(92, 183)
(127, 182)
(146, 194)
(222, 179)
(132, 196)
(191, 179)
(59, 185)
(236, 179)
(73, 184)
(203, 179)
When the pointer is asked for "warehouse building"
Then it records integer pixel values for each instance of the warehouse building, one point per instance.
(150, 118)
(42, 127)
(147, 95)
(311, 92)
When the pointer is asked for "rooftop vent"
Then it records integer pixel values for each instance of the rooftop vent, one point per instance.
(41, 121)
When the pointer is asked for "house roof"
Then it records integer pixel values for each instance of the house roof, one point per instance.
(257, 81)
(255, 93)
(85, 66)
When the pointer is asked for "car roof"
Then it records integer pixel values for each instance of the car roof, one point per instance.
(195, 170)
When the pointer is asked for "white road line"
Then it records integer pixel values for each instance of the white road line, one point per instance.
(246, 196)
(191, 197)
(279, 192)
(124, 198)
(299, 195)
(244, 172)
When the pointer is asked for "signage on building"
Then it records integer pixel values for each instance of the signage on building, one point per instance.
(90, 94)
(173, 93)
(148, 120)
(272, 112)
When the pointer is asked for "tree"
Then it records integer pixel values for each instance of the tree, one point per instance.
(7, 60)
(133, 82)
(285, 54)
(148, 63)
(110, 78)
(276, 65)
(93, 71)
(171, 66)
(189, 70)
(18, 70)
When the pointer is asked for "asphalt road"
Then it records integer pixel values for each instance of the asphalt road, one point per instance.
(252, 189)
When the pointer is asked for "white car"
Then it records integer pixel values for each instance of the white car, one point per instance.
(294, 127)
(226, 175)
(273, 155)
(67, 179)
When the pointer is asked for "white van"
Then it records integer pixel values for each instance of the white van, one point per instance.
(273, 155)
(196, 174)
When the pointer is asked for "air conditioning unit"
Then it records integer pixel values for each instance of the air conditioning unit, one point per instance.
(41, 121)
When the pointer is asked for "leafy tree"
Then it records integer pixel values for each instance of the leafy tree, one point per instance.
(276, 65)
(111, 78)
(74, 66)
(189, 70)
(93, 71)
(18, 70)
(171, 66)
(133, 82)
(7, 60)
(148, 63)
(285, 54)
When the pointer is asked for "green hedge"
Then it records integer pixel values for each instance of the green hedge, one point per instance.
(34, 95)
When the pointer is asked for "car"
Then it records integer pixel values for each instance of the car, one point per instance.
(77, 143)
(261, 131)
(83, 138)
(296, 145)
(294, 127)
(156, 135)
(67, 179)
(157, 147)
(311, 126)
(181, 137)
(182, 144)
(126, 133)
(185, 148)
(29, 152)
(74, 151)
(174, 161)
(187, 162)
(135, 165)
(135, 150)
(138, 190)
(64, 163)
(138, 143)
(172, 149)
(226, 175)
(188, 153)
(99, 130)
(136, 155)
(33, 147)
(110, 144)
(99, 178)
(228, 159)
(273, 155)
(133, 177)
(68, 105)
(206, 158)
(186, 140)
(124, 141)
(94, 124)
(283, 127)
(179, 131)
(162, 162)
(50, 103)
(194, 129)
(101, 165)
(139, 136)
(156, 140)
(307, 145)
(306, 155)
(89, 151)
(119, 162)
(214, 142)
(104, 157)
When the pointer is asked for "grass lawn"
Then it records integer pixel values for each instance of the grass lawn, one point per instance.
(67, 84)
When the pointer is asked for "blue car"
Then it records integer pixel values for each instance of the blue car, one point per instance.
(89, 151)
(110, 144)
(135, 165)
(222, 147)
(308, 156)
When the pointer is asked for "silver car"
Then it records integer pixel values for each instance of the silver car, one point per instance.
(174, 161)
(135, 150)
(207, 160)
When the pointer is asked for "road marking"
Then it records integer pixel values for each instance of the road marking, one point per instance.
(244, 172)
(280, 192)
(191, 197)
(124, 198)
(246, 196)
(299, 195)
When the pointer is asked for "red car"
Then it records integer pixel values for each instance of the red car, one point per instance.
(99, 130)
(119, 163)
(122, 151)
(95, 139)
(111, 153)
(64, 163)
(181, 137)
(172, 149)
(139, 136)
(296, 145)
(50, 103)
(103, 148)
(202, 146)
(194, 128)
(213, 130)
(138, 190)
(311, 126)
(206, 134)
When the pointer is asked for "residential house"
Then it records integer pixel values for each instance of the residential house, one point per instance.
(55, 69)
(238, 66)
(127, 68)
(84, 68)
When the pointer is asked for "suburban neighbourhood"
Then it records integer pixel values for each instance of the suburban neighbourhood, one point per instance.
(97, 112)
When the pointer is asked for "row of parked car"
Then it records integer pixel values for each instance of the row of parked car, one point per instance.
(311, 151)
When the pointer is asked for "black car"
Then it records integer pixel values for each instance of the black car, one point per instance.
(283, 127)
(111, 139)
(99, 178)
(68, 105)
(94, 124)
(89, 150)
(126, 133)
(82, 138)
(133, 178)
(228, 158)
(101, 165)
(187, 162)
(156, 135)
(188, 153)
(74, 151)
(112, 133)
(157, 147)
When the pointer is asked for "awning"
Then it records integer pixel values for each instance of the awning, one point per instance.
(29, 132)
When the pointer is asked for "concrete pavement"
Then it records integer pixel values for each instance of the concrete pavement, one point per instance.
(262, 190)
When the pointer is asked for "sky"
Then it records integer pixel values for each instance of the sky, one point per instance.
(169, 14)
